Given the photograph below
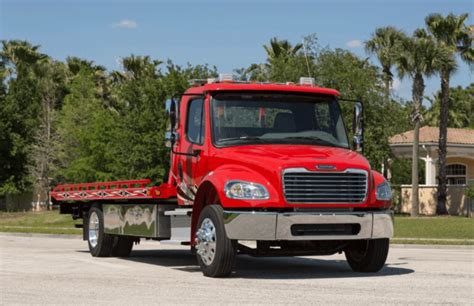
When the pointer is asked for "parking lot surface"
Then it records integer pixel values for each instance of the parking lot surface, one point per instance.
(61, 271)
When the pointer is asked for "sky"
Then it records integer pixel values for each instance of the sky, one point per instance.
(227, 34)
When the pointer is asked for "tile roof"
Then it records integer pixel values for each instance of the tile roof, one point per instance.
(430, 134)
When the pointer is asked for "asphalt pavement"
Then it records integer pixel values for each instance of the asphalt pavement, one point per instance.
(43, 270)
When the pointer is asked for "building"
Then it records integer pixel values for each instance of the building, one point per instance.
(459, 167)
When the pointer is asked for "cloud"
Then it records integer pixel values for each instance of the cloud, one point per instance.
(354, 43)
(125, 24)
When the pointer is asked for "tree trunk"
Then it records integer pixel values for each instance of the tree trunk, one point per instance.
(417, 93)
(387, 81)
(442, 151)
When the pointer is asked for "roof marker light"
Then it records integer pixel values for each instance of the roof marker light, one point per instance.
(226, 77)
(305, 81)
(196, 82)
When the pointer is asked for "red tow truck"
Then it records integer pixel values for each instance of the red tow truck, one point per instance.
(256, 168)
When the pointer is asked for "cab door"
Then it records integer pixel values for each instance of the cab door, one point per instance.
(191, 164)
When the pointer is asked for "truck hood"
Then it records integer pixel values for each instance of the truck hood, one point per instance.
(264, 164)
(277, 157)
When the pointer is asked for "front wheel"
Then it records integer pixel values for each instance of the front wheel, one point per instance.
(367, 255)
(215, 252)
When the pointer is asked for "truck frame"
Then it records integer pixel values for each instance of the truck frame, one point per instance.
(261, 169)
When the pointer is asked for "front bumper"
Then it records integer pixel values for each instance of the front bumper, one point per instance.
(257, 225)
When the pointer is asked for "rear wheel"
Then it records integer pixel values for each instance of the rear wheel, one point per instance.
(100, 244)
(367, 255)
(215, 252)
(122, 246)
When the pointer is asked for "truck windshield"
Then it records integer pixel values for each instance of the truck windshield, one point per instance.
(275, 118)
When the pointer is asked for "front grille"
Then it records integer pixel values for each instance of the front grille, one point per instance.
(301, 186)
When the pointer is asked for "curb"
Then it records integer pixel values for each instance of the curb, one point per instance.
(36, 235)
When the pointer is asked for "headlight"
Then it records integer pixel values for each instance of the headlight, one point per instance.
(383, 192)
(245, 191)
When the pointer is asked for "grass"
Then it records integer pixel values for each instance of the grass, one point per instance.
(448, 227)
(421, 230)
(46, 222)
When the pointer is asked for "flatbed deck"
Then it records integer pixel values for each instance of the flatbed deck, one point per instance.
(115, 190)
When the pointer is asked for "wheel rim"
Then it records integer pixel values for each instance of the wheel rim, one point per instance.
(93, 229)
(206, 241)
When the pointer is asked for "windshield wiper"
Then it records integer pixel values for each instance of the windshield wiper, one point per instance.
(258, 139)
(242, 138)
(313, 139)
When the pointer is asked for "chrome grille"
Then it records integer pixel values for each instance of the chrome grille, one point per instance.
(303, 186)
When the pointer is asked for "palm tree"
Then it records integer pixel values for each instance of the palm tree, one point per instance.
(19, 56)
(282, 60)
(384, 45)
(453, 36)
(138, 66)
(460, 114)
(99, 73)
(418, 57)
(76, 64)
(281, 49)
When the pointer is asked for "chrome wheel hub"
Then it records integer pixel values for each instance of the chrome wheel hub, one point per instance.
(206, 241)
(93, 229)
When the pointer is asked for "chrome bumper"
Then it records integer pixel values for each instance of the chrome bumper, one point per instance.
(256, 225)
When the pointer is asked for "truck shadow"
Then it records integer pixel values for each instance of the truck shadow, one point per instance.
(266, 268)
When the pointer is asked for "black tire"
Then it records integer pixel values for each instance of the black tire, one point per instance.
(122, 246)
(226, 249)
(367, 255)
(103, 246)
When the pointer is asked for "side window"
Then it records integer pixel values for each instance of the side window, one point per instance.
(195, 121)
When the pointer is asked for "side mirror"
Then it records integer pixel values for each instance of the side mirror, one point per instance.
(173, 114)
(170, 135)
(358, 127)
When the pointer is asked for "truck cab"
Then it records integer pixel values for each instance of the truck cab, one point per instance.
(260, 169)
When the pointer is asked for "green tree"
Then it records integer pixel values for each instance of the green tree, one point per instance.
(18, 114)
(51, 77)
(384, 44)
(460, 114)
(86, 130)
(176, 79)
(453, 36)
(5, 145)
(138, 145)
(418, 57)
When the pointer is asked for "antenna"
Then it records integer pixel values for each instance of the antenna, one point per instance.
(306, 57)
